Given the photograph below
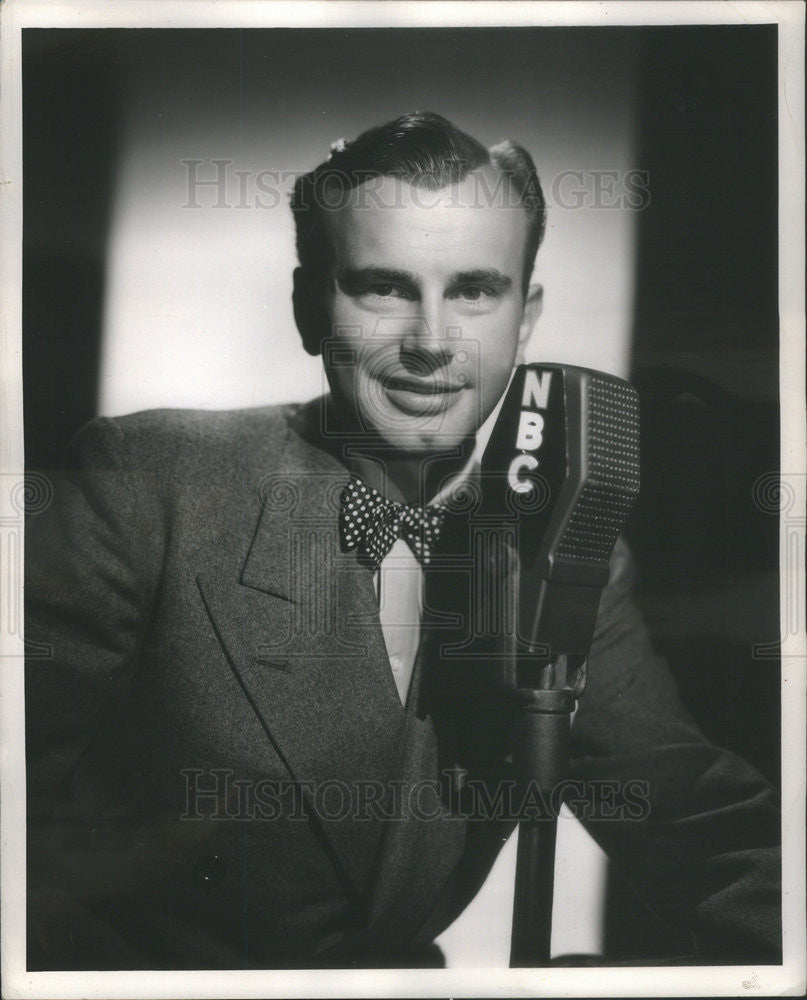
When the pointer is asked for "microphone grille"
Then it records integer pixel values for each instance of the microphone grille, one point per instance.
(612, 476)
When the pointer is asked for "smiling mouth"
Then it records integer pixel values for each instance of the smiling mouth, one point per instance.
(423, 388)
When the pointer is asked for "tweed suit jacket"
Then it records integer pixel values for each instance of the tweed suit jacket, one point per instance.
(216, 746)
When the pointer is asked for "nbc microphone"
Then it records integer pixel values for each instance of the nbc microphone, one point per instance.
(562, 464)
(561, 471)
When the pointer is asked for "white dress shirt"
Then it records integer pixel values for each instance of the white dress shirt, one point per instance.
(399, 587)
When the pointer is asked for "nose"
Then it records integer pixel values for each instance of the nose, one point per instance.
(426, 344)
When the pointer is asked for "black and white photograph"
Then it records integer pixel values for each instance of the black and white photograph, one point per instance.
(402, 505)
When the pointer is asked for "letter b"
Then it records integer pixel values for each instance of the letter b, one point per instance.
(530, 430)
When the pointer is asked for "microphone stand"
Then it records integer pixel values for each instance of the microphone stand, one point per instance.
(540, 759)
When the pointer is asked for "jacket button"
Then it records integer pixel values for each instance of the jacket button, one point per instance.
(209, 870)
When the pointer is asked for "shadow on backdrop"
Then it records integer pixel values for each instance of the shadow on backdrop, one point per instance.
(706, 352)
(71, 112)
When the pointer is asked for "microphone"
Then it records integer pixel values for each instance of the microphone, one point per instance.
(560, 475)
(562, 464)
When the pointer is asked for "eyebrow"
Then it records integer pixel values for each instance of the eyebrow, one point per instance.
(482, 276)
(351, 277)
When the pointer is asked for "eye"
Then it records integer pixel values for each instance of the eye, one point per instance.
(387, 290)
(473, 293)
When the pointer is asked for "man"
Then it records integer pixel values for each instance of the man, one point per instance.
(253, 708)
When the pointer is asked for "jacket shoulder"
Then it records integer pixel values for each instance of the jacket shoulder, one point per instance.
(183, 441)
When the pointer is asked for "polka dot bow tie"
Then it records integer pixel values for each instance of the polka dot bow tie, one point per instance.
(372, 523)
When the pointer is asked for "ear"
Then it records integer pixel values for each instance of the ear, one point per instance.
(533, 304)
(310, 313)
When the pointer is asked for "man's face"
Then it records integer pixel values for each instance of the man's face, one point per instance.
(426, 308)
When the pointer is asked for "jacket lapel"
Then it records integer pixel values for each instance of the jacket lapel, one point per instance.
(301, 629)
(422, 847)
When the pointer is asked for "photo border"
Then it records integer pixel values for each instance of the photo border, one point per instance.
(787, 979)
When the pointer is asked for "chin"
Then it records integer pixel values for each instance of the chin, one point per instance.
(421, 435)
(426, 443)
